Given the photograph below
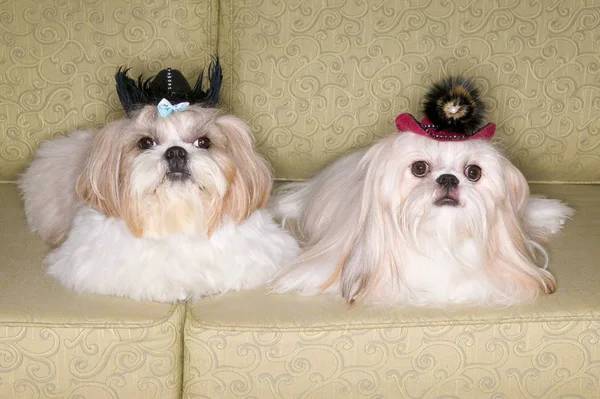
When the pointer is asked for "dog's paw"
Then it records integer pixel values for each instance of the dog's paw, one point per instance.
(546, 217)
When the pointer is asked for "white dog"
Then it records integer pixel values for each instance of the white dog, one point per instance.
(426, 216)
(157, 208)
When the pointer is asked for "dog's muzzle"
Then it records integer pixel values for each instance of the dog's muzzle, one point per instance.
(449, 183)
(177, 162)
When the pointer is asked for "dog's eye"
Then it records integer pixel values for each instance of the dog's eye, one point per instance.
(473, 172)
(420, 168)
(145, 143)
(202, 142)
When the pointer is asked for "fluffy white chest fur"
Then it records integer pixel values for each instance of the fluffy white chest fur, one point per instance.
(102, 256)
(436, 278)
(438, 272)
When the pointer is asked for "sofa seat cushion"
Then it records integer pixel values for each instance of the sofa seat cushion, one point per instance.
(55, 343)
(283, 346)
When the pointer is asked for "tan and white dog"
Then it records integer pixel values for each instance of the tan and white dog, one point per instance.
(157, 208)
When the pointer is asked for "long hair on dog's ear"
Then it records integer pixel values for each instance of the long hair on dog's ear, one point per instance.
(517, 188)
(352, 249)
(511, 255)
(102, 184)
(371, 245)
(98, 184)
(252, 179)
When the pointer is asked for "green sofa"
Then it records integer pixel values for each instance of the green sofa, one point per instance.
(314, 79)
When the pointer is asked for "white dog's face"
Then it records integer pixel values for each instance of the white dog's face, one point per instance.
(451, 184)
(179, 174)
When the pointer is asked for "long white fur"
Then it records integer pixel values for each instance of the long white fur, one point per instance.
(372, 233)
(101, 256)
(50, 208)
(132, 232)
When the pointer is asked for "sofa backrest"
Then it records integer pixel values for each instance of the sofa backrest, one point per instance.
(315, 79)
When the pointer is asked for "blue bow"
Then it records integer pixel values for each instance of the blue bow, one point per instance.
(165, 108)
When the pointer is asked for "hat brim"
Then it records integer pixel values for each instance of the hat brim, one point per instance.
(408, 123)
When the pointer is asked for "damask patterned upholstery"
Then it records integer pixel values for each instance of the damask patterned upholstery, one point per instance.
(314, 79)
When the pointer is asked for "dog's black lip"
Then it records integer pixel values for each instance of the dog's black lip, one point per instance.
(178, 176)
(446, 201)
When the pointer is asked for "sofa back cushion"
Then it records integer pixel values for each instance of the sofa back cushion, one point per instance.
(316, 79)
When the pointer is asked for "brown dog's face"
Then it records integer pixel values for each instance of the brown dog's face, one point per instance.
(179, 174)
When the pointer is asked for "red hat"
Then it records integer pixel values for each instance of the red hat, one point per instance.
(453, 111)
(408, 123)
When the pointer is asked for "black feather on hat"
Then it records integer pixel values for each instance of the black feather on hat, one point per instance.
(169, 84)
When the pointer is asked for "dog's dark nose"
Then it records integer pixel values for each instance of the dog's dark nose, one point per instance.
(175, 152)
(176, 158)
(447, 181)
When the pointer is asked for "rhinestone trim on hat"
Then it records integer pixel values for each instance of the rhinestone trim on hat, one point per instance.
(169, 82)
(444, 137)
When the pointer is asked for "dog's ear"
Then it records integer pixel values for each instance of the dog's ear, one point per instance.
(98, 184)
(512, 255)
(251, 178)
(517, 188)
(371, 246)
(512, 259)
